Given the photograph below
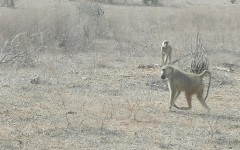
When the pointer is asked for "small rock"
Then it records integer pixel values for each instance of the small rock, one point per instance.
(35, 80)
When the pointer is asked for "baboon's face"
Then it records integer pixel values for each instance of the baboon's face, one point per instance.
(165, 72)
(165, 43)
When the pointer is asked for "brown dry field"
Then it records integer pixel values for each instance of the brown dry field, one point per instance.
(97, 98)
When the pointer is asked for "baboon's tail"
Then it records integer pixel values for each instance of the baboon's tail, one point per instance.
(202, 75)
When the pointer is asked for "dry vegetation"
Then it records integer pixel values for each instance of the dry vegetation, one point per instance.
(70, 76)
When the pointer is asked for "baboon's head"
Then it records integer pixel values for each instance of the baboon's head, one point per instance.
(166, 71)
(165, 43)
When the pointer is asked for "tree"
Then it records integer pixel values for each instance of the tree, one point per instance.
(233, 1)
(8, 3)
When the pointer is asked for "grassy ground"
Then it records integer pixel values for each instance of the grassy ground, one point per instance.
(95, 97)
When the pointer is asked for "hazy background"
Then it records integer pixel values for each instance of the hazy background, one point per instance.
(70, 77)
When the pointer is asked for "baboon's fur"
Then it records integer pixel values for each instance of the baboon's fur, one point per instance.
(166, 51)
(190, 83)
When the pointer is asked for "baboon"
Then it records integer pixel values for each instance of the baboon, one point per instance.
(166, 51)
(190, 83)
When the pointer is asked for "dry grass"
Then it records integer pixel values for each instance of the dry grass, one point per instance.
(89, 94)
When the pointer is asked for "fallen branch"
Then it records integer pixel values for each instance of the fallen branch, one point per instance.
(5, 44)
(16, 36)
(14, 48)
(177, 60)
(223, 69)
(10, 59)
(152, 66)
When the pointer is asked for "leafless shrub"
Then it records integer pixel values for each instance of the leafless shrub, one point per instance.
(58, 30)
(91, 15)
(212, 131)
(199, 61)
(90, 9)
(21, 49)
(91, 23)
(133, 108)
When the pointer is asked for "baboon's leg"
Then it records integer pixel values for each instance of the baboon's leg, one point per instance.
(172, 96)
(201, 100)
(164, 57)
(189, 102)
(175, 98)
(169, 59)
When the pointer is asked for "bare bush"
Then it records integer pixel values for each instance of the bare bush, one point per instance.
(21, 49)
(92, 23)
(199, 61)
(71, 33)
(90, 9)
(65, 28)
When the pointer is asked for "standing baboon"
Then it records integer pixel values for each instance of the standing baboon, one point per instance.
(166, 51)
(190, 83)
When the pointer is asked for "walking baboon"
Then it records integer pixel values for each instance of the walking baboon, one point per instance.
(190, 83)
(166, 51)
